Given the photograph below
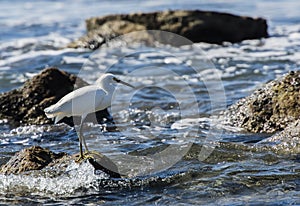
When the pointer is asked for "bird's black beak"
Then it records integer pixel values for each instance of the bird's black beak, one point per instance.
(122, 82)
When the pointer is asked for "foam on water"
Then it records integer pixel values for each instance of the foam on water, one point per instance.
(32, 55)
(74, 179)
(35, 129)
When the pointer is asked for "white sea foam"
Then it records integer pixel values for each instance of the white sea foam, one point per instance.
(78, 177)
(32, 55)
(74, 60)
(35, 131)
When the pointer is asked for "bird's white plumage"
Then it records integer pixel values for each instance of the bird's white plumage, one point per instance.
(85, 100)
(81, 101)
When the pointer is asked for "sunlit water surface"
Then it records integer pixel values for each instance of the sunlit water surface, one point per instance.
(169, 145)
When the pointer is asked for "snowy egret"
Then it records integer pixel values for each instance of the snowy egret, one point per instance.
(83, 101)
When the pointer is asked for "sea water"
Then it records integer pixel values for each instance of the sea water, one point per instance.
(169, 145)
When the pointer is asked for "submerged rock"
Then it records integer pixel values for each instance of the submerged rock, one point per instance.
(197, 26)
(269, 109)
(286, 141)
(25, 105)
(38, 158)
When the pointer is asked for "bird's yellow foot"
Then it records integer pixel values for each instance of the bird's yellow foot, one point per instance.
(94, 154)
(83, 157)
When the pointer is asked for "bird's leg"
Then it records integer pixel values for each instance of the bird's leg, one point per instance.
(82, 141)
(80, 136)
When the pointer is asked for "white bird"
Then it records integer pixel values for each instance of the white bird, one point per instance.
(85, 100)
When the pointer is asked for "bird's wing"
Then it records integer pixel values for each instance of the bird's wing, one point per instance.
(81, 101)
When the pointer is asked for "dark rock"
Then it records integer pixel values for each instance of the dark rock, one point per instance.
(25, 105)
(197, 26)
(38, 158)
(269, 109)
(102, 163)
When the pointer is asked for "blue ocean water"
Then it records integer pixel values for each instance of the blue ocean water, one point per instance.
(33, 36)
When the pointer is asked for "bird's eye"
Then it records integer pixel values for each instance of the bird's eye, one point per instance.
(117, 80)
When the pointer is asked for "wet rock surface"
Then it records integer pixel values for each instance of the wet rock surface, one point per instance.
(287, 141)
(269, 109)
(25, 105)
(37, 158)
(33, 158)
(197, 26)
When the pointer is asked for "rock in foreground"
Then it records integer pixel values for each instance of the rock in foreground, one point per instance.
(38, 158)
(269, 109)
(25, 105)
(197, 26)
(33, 158)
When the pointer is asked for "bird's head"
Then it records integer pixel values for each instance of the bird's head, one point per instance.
(108, 79)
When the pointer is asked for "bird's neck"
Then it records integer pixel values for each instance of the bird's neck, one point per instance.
(108, 87)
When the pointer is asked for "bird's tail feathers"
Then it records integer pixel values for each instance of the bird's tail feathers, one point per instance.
(53, 113)
(50, 111)
(58, 118)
